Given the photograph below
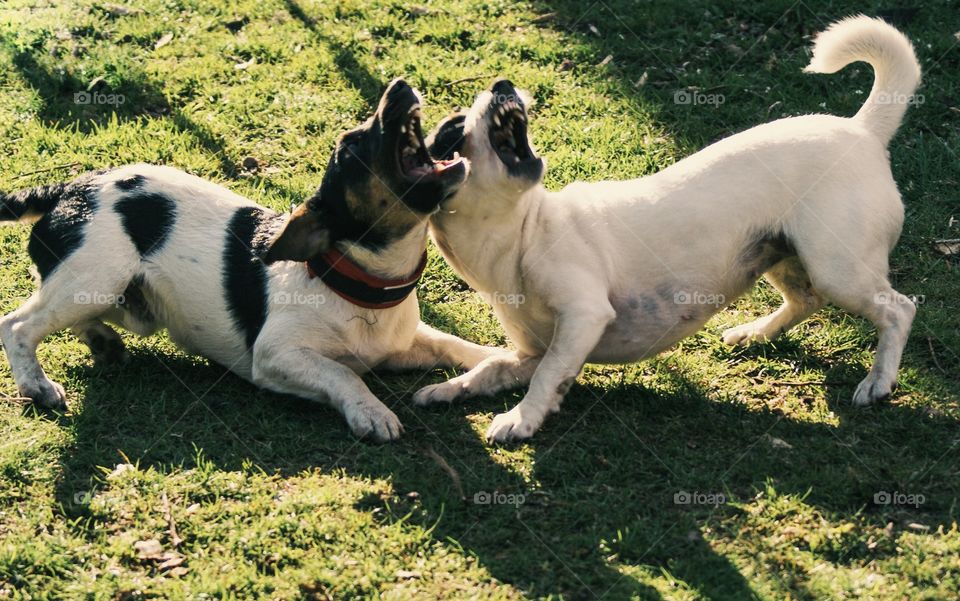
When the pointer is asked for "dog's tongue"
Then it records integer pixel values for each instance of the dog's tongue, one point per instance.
(436, 169)
(444, 164)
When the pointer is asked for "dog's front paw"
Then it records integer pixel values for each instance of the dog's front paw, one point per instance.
(444, 392)
(374, 421)
(872, 390)
(513, 425)
(46, 393)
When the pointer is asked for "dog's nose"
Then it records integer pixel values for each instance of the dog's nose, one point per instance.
(503, 87)
(397, 86)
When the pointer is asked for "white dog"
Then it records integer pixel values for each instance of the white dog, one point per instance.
(151, 247)
(613, 272)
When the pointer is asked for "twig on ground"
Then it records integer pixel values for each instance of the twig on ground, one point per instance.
(759, 380)
(440, 461)
(54, 168)
(934, 355)
(450, 84)
(175, 539)
(19, 400)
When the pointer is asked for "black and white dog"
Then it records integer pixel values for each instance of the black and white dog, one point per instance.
(299, 304)
(618, 271)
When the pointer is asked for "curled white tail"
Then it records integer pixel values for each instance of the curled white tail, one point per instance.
(889, 52)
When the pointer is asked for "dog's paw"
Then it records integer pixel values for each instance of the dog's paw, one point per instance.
(744, 334)
(511, 426)
(46, 393)
(872, 390)
(374, 421)
(109, 352)
(444, 392)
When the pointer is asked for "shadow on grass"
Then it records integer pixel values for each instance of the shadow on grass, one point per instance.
(369, 86)
(607, 468)
(67, 104)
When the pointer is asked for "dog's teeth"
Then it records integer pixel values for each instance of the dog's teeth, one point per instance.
(456, 155)
(496, 120)
(403, 129)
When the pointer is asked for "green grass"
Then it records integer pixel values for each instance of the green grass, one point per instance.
(271, 497)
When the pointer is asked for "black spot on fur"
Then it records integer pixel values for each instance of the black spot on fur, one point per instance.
(148, 219)
(129, 184)
(68, 208)
(244, 275)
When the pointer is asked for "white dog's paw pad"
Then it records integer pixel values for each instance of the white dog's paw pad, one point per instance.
(872, 390)
(375, 423)
(511, 426)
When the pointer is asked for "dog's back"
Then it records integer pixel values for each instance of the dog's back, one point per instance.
(151, 247)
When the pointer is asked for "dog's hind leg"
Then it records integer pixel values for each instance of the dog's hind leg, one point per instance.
(75, 295)
(800, 301)
(104, 342)
(853, 275)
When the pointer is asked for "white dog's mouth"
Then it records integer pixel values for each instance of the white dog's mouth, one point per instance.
(507, 132)
(412, 156)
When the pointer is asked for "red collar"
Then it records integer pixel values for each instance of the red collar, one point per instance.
(352, 283)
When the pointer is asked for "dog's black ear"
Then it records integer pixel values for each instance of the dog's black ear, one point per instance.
(447, 137)
(304, 236)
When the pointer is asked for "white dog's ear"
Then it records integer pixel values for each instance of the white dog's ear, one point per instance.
(527, 98)
(304, 236)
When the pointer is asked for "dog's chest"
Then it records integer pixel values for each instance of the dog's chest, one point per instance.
(362, 338)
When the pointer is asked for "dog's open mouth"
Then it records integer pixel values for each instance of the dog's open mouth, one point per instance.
(414, 160)
(508, 133)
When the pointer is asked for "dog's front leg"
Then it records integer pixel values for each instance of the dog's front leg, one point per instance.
(433, 348)
(308, 374)
(577, 332)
